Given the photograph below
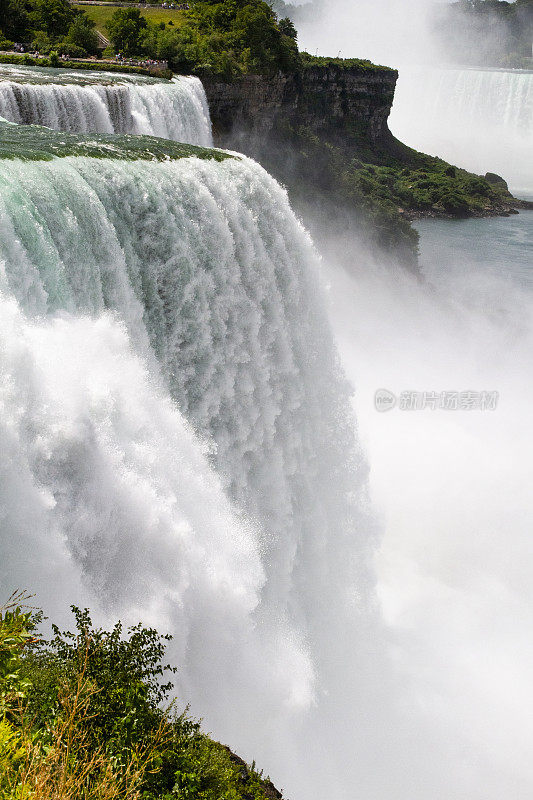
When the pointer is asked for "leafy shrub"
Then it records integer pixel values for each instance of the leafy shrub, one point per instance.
(82, 34)
(455, 203)
(124, 28)
(69, 49)
(5, 44)
(54, 17)
(15, 635)
(89, 720)
(42, 42)
(476, 186)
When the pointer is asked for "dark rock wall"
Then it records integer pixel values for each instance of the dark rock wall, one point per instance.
(343, 106)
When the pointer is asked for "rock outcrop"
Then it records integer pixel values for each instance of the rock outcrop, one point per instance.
(344, 105)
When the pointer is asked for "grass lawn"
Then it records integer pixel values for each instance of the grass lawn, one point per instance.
(101, 15)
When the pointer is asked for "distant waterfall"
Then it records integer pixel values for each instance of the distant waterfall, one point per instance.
(106, 104)
(478, 119)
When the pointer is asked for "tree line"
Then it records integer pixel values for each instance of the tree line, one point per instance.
(227, 38)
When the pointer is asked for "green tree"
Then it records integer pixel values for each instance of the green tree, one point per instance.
(42, 42)
(287, 28)
(14, 19)
(125, 28)
(127, 672)
(82, 33)
(52, 16)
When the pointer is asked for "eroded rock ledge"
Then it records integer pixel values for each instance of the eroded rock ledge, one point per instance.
(342, 105)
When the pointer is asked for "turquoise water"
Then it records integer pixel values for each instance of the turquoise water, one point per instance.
(500, 247)
(37, 143)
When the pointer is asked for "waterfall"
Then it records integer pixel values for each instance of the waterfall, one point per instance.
(106, 103)
(180, 440)
(481, 120)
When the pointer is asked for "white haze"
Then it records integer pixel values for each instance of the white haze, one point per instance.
(450, 681)
(453, 493)
(387, 32)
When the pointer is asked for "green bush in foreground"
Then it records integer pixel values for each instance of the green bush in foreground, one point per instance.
(82, 716)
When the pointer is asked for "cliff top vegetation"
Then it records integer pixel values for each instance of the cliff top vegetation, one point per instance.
(307, 61)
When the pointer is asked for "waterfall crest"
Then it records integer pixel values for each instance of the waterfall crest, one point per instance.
(106, 103)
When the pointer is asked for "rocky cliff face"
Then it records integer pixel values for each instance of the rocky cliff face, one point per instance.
(314, 131)
(343, 105)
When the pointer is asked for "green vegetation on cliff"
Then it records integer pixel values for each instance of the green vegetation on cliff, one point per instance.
(382, 185)
(87, 715)
(307, 61)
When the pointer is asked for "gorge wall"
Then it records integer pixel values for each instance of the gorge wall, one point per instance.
(310, 130)
(342, 105)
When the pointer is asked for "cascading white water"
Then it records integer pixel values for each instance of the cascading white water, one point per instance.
(66, 101)
(481, 120)
(212, 286)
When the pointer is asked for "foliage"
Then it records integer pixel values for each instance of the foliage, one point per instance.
(125, 28)
(68, 49)
(227, 38)
(89, 720)
(48, 25)
(82, 34)
(381, 188)
(14, 19)
(5, 44)
(127, 672)
(287, 28)
(54, 17)
(16, 633)
(42, 43)
(308, 61)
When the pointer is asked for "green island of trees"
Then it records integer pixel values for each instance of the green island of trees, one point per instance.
(86, 716)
